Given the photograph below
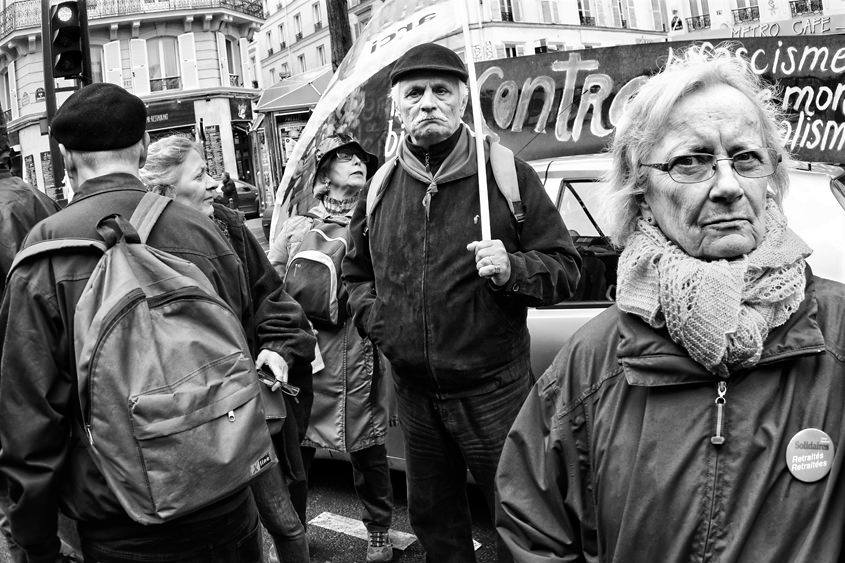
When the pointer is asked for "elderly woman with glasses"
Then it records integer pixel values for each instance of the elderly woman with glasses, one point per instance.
(349, 413)
(701, 417)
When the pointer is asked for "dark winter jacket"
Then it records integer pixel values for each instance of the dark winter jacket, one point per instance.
(611, 460)
(47, 464)
(21, 207)
(415, 290)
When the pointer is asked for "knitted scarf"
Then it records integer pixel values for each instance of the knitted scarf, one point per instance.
(339, 206)
(721, 311)
(461, 155)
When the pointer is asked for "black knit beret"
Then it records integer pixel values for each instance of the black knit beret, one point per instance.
(100, 117)
(428, 57)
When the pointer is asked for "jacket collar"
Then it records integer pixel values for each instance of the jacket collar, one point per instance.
(650, 358)
(108, 183)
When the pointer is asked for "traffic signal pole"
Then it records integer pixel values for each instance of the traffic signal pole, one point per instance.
(50, 93)
(67, 54)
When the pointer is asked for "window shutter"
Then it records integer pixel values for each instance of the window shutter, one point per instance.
(113, 63)
(517, 11)
(222, 59)
(496, 9)
(500, 51)
(13, 90)
(520, 50)
(140, 66)
(188, 61)
(246, 77)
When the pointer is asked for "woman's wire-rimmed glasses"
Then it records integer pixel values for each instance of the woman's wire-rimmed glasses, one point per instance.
(698, 167)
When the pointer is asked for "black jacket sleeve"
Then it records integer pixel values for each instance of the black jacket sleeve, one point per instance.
(358, 273)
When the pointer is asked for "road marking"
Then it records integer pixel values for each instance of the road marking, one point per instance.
(356, 529)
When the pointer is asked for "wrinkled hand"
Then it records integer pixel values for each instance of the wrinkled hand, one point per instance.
(491, 260)
(277, 365)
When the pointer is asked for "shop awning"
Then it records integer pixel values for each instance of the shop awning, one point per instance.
(300, 91)
(257, 120)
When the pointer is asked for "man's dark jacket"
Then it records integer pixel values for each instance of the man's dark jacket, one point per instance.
(47, 464)
(415, 290)
(21, 207)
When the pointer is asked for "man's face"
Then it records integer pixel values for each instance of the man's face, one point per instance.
(430, 107)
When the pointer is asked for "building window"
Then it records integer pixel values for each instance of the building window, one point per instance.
(233, 55)
(297, 26)
(805, 7)
(700, 19)
(302, 65)
(6, 100)
(282, 40)
(510, 50)
(273, 75)
(506, 7)
(747, 11)
(550, 11)
(163, 59)
(321, 55)
(585, 14)
(317, 15)
(285, 72)
(96, 63)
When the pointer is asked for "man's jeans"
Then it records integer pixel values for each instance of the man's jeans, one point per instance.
(444, 437)
(232, 538)
(277, 514)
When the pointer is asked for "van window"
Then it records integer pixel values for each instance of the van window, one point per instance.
(578, 202)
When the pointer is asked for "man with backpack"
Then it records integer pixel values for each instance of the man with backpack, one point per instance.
(446, 308)
(158, 472)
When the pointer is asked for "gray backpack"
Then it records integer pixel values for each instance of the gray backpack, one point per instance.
(168, 389)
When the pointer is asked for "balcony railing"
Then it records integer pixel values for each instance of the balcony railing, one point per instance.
(802, 7)
(318, 26)
(587, 20)
(698, 22)
(624, 24)
(282, 45)
(269, 51)
(167, 83)
(26, 14)
(743, 15)
(298, 36)
(507, 16)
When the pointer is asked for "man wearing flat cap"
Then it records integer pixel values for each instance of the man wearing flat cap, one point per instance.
(101, 134)
(446, 308)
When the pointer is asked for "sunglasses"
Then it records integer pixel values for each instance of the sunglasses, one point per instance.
(346, 155)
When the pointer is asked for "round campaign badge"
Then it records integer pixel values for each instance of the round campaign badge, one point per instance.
(809, 455)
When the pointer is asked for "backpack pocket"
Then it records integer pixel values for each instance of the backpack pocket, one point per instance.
(208, 437)
(312, 280)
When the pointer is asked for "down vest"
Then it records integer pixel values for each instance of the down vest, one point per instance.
(610, 458)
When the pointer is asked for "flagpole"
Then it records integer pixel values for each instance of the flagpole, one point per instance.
(477, 125)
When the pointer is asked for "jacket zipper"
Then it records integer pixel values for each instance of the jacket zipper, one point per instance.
(718, 439)
(423, 292)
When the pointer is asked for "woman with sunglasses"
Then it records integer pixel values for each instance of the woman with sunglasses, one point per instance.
(701, 417)
(350, 395)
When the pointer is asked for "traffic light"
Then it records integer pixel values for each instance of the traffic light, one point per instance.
(66, 42)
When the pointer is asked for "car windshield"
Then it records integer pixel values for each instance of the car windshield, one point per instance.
(579, 202)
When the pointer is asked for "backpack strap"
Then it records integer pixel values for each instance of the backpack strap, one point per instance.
(147, 213)
(503, 163)
(380, 181)
(55, 245)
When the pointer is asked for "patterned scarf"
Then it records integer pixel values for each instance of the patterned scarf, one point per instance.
(461, 155)
(339, 206)
(721, 312)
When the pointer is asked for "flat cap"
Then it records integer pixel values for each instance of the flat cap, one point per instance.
(100, 117)
(428, 57)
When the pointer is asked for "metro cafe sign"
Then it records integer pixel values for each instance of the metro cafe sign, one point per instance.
(567, 103)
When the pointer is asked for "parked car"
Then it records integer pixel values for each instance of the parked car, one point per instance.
(249, 202)
(814, 205)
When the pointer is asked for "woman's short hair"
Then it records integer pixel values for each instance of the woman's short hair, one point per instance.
(647, 116)
(163, 160)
